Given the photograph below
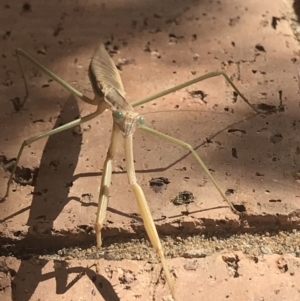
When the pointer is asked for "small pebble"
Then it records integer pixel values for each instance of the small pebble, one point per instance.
(265, 250)
(191, 265)
(200, 253)
(127, 256)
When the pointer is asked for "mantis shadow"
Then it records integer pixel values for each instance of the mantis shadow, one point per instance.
(50, 196)
(62, 274)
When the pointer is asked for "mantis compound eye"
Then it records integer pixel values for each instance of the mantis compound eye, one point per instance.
(118, 115)
(141, 121)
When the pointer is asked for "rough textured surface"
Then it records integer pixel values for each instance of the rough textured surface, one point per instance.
(157, 45)
(226, 276)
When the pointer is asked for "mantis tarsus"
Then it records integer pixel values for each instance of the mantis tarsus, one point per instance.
(109, 94)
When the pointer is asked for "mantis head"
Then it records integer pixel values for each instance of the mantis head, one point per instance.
(128, 121)
(123, 113)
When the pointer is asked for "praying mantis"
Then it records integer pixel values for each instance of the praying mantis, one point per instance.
(109, 94)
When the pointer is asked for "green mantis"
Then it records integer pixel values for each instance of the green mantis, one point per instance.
(109, 94)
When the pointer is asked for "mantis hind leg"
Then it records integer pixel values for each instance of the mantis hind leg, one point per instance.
(190, 148)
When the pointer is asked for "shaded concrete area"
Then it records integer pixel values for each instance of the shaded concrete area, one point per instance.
(156, 45)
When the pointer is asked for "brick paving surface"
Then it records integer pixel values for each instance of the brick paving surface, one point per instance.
(156, 45)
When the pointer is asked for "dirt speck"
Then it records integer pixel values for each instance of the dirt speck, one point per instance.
(183, 198)
(260, 48)
(234, 153)
(199, 94)
(276, 138)
(26, 8)
(232, 261)
(282, 265)
(157, 184)
(266, 108)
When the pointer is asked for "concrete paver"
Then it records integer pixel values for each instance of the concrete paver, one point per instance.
(156, 45)
(224, 276)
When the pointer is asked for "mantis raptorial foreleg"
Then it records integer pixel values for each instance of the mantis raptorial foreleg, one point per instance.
(105, 183)
(145, 211)
(139, 194)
